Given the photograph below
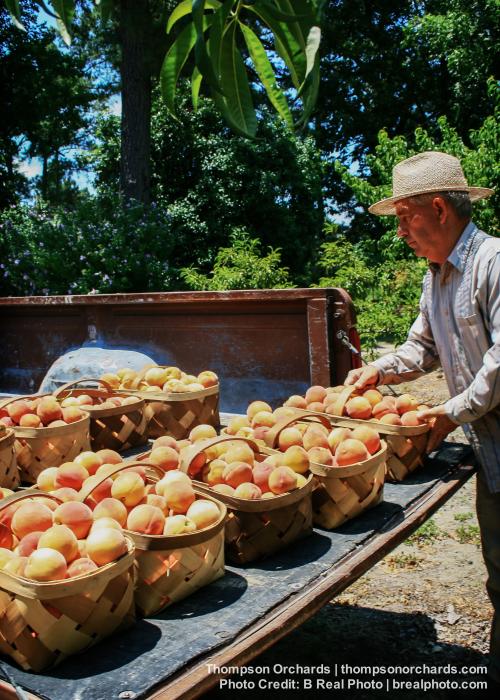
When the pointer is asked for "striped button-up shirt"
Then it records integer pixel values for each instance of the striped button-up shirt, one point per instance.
(459, 328)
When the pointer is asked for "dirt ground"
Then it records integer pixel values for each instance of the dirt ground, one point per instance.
(425, 603)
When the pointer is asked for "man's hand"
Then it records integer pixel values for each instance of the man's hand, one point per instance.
(441, 426)
(362, 377)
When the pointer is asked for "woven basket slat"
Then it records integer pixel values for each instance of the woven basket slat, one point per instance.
(10, 477)
(405, 455)
(177, 418)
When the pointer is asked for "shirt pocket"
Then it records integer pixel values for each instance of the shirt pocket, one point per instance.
(475, 339)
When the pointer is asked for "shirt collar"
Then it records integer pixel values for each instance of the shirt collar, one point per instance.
(457, 255)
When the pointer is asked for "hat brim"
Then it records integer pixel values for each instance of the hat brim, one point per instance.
(385, 207)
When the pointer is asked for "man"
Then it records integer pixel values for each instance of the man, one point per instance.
(458, 327)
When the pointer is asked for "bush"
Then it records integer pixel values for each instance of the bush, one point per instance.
(100, 247)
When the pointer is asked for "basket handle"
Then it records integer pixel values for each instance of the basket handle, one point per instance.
(26, 493)
(106, 387)
(190, 453)
(141, 374)
(340, 401)
(272, 435)
(85, 492)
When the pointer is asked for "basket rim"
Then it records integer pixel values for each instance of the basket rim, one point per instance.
(332, 472)
(48, 590)
(46, 431)
(260, 505)
(171, 396)
(8, 437)
(382, 428)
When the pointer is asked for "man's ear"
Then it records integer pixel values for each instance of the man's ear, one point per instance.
(440, 208)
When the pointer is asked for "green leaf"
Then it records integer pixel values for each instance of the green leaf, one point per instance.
(174, 61)
(65, 9)
(216, 33)
(196, 79)
(266, 74)
(184, 8)
(15, 13)
(309, 94)
(234, 80)
(313, 41)
(202, 59)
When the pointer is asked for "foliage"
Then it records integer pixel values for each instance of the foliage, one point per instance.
(241, 266)
(213, 181)
(99, 246)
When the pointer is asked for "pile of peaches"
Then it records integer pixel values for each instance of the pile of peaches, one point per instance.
(40, 412)
(90, 402)
(168, 379)
(368, 405)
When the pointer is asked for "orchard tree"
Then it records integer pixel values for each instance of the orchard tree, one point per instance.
(225, 46)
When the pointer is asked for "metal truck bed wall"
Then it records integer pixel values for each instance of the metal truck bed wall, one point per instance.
(265, 344)
(238, 616)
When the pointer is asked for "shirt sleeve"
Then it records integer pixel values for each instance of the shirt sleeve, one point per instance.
(483, 394)
(415, 357)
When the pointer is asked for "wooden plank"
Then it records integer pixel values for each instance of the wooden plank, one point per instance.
(320, 359)
(195, 680)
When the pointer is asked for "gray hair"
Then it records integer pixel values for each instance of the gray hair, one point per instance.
(459, 201)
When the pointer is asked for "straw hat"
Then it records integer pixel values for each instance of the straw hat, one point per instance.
(430, 171)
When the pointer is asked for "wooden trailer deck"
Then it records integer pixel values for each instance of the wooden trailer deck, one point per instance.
(237, 617)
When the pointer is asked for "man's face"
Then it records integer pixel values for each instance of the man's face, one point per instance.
(420, 228)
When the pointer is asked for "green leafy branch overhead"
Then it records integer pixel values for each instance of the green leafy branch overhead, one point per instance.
(224, 40)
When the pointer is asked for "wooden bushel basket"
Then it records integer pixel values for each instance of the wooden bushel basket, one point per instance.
(257, 529)
(171, 567)
(405, 445)
(9, 471)
(39, 448)
(176, 414)
(340, 493)
(41, 624)
(117, 428)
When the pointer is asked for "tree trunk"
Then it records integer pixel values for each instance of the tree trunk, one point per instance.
(135, 168)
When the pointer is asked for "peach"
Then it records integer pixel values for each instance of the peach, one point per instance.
(28, 544)
(320, 455)
(288, 437)
(248, 491)
(56, 424)
(301, 481)
(263, 419)
(260, 433)
(77, 516)
(165, 441)
(109, 456)
(283, 412)
(104, 545)
(160, 502)
(7, 539)
(236, 424)
(156, 376)
(45, 481)
(7, 421)
(80, 566)
(49, 502)
(373, 396)
(128, 488)
(99, 493)
(72, 414)
(172, 477)
(257, 407)
(351, 451)
(30, 420)
(203, 513)
(111, 508)
(147, 519)
(62, 539)
(208, 378)
(5, 492)
(336, 436)
(411, 419)
(46, 564)
(84, 400)
(261, 473)
(178, 525)
(16, 566)
(296, 401)
(65, 494)
(202, 432)
(369, 437)
(166, 458)
(314, 437)
(89, 461)
(212, 472)
(390, 419)
(296, 458)
(239, 452)
(358, 407)
(7, 514)
(224, 489)
(31, 517)
(18, 409)
(383, 408)
(275, 460)
(178, 494)
(237, 473)
(315, 406)
(106, 522)
(70, 475)
(282, 480)
(405, 403)
(5, 556)
(49, 410)
(128, 400)
(315, 394)
(112, 379)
